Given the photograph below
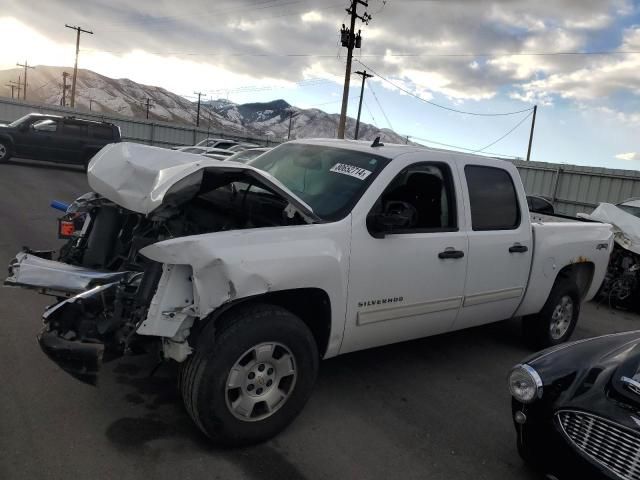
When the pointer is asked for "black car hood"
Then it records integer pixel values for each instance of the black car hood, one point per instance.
(586, 375)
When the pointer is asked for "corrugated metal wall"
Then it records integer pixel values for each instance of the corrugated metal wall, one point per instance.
(574, 189)
(150, 132)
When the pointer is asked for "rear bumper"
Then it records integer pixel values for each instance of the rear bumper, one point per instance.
(79, 359)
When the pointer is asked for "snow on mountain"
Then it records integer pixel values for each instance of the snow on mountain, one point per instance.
(128, 98)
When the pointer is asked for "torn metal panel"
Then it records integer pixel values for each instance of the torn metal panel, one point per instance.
(141, 178)
(231, 265)
(172, 303)
(38, 273)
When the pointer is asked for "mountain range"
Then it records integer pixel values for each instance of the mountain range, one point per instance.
(128, 98)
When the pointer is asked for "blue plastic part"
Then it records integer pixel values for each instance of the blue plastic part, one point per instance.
(59, 205)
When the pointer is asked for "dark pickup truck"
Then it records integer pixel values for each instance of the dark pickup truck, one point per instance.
(55, 138)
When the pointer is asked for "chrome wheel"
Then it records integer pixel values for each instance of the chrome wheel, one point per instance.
(3, 151)
(260, 382)
(561, 318)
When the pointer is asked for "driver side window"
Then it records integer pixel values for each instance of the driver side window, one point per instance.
(47, 125)
(422, 198)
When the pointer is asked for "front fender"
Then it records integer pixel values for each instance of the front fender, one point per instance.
(231, 265)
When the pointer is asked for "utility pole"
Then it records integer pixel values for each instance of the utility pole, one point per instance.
(12, 87)
(19, 84)
(533, 126)
(350, 40)
(15, 85)
(290, 120)
(149, 105)
(198, 114)
(91, 100)
(26, 67)
(365, 75)
(75, 66)
(63, 100)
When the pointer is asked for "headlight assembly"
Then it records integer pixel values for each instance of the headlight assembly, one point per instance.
(525, 384)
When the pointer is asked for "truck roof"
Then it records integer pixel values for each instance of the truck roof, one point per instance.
(388, 150)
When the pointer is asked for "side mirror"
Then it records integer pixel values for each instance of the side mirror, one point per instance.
(395, 215)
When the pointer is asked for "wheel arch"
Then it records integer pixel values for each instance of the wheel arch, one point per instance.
(580, 273)
(311, 305)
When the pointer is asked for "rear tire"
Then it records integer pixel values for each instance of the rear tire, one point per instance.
(5, 151)
(252, 372)
(555, 323)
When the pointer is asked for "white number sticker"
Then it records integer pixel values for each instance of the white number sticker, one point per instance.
(356, 172)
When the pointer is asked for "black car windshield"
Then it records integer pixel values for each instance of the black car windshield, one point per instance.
(330, 180)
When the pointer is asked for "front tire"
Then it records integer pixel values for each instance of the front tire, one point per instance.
(5, 151)
(252, 372)
(555, 323)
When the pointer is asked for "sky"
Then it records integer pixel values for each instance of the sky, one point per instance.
(475, 56)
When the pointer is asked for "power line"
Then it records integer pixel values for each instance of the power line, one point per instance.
(506, 134)
(218, 13)
(366, 105)
(376, 55)
(408, 92)
(476, 150)
(428, 140)
(379, 105)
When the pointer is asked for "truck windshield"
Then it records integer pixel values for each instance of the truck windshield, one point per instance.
(330, 180)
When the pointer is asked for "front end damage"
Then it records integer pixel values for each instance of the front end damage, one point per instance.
(110, 298)
(95, 316)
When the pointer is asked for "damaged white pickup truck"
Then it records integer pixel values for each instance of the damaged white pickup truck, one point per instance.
(248, 275)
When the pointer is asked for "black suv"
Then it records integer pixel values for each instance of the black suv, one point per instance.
(55, 138)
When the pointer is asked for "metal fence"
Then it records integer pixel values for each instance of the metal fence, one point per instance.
(574, 189)
(571, 188)
(162, 134)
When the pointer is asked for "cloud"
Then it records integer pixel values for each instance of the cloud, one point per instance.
(628, 156)
(289, 41)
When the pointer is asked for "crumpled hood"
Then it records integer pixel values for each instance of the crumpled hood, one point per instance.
(626, 227)
(140, 178)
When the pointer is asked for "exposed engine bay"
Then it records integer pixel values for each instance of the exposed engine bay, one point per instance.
(621, 285)
(105, 287)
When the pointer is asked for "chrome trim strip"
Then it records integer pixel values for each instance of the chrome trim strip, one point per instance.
(493, 296)
(403, 311)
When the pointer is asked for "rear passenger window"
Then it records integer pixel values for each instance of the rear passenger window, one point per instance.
(494, 204)
(76, 129)
(101, 131)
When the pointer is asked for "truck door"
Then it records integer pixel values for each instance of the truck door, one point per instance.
(500, 244)
(406, 281)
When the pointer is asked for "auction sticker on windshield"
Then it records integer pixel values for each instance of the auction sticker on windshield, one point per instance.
(350, 170)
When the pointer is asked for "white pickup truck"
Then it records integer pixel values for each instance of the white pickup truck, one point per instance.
(250, 274)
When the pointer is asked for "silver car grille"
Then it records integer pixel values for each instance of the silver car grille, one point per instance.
(611, 446)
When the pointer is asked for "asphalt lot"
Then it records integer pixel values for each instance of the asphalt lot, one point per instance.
(436, 408)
